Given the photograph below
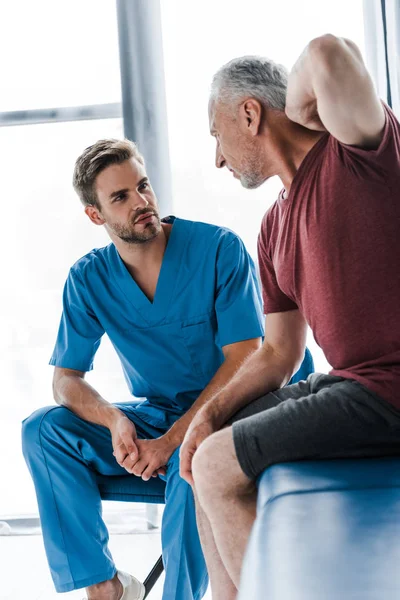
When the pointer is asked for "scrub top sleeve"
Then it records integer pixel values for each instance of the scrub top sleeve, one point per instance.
(238, 303)
(80, 332)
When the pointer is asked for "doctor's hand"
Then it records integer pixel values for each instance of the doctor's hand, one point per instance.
(124, 440)
(153, 457)
(202, 426)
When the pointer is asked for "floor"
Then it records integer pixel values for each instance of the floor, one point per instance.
(24, 574)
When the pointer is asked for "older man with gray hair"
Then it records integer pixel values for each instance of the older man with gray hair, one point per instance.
(329, 251)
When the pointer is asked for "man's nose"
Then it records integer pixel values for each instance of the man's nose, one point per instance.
(219, 158)
(139, 201)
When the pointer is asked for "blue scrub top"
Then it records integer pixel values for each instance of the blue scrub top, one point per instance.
(207, 297)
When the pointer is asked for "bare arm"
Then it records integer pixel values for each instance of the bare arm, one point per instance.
(268, 369)
(329, 88)
(235, 355)
(72, 391)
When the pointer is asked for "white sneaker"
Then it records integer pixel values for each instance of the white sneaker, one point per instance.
(133, 588)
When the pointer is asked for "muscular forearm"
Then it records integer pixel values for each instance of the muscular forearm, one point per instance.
(79, 396)
(263, 372)
(222, 377)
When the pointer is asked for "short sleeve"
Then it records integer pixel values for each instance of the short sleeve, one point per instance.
(80, 332)
(274, 299)
(238, 304)
(381, 165)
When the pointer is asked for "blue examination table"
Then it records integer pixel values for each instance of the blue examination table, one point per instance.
(326, 530)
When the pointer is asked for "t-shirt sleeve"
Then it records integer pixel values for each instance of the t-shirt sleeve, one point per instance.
(238, 303)
(274, 299)
(80, 332)
(381, 165)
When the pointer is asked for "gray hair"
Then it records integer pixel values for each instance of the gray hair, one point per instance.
(252, 76)
(94, 160)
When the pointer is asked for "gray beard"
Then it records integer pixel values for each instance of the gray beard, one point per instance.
(251, 181)
(252, 178)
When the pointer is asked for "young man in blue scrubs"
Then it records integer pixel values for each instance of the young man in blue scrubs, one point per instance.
(180, 302)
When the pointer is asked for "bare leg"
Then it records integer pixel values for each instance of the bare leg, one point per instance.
(106, 590)
(228, 498)
(222, 586)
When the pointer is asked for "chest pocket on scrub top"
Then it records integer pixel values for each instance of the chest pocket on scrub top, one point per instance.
(199, 340)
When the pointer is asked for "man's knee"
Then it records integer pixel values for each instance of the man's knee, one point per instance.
(216, 469)
(200, 468)
(48, 418)
(209, 460)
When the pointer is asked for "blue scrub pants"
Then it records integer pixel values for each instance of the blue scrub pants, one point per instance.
(64, 453)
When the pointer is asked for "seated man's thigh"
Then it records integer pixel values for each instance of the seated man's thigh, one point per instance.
(337, 418)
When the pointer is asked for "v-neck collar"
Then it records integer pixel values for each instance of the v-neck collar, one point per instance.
(155, 311)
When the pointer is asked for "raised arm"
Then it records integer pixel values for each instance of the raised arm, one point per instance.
(329, 88)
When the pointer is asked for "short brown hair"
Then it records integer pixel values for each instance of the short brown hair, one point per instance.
(95, 159)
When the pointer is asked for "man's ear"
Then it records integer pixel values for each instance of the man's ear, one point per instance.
(94, 215)
(251, 114)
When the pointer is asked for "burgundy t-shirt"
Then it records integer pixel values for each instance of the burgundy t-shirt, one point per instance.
(332, 250)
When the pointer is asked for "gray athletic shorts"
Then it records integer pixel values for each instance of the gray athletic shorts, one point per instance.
(323, 417)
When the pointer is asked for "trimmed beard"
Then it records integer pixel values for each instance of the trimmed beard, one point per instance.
(252, 175)
(128, 235)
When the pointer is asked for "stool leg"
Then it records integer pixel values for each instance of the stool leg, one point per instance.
(152, 516)
(153, 576)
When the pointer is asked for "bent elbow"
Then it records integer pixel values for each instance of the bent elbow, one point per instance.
(324, 45)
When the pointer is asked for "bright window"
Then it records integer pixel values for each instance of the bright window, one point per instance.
(57, 56)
